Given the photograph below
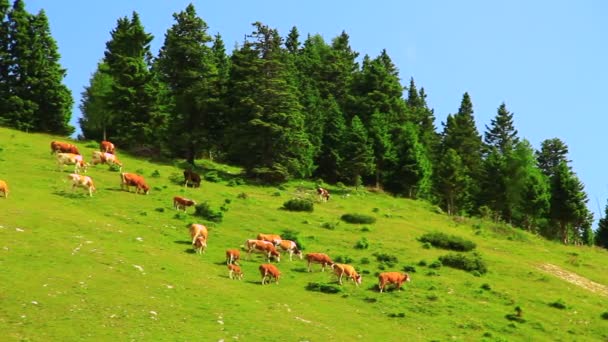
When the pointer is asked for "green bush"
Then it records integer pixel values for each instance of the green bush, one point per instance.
(362, 243)
(293, 235)
(409, 268)
(114, 168)
(451, 242)
(328, 225)
(242, 195)
(274, 175)
(204, 210)
(389, 260)
(155, 174)
(558, 304)
(365, 229)
(486, 286)
(325, 288)
(358, 218)
(364, 261)
(464, 262)
(297, 204)
(236, 182)
(436, 264)
(212, 177)
(343, 259)
(604, 315)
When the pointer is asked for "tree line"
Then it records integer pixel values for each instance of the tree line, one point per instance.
(292, 107)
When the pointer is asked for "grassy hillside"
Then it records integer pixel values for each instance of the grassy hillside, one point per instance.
(120, 265)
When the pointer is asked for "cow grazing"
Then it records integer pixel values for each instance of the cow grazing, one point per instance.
(192, 178)
(269, 271)
(4, 188)
(396, 278)
(81, 181)
(182, 203)
(342, 269)
(105, 158)
(200, 244)
(63, 147)
(106, 147)
(132, 179)
(232, 256)
(234, 272)
(265, 247)
(290, 247)
(323, 194)
(318, 258)
(274, 238)
(71, 159)
(197, 230)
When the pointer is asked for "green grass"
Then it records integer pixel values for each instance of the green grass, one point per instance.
(120, 265)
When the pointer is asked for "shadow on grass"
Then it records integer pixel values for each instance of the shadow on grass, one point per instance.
(70, 194)
(182, 242)
(189, 251)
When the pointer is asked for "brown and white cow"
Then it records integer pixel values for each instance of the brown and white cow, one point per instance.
(232, 256)
(196, 230)
(200, 244)
(107, 147)
(343, 269)
(192, 178)
(274, 238)
(71, 159)
(180, 202)
(59, 146)
(269, 271)
(132, 179)
(4, 188)
(318, 258)
(396, 278)
(323, 194)
(264, 247)
(81, 181)
(235, 272)
(105, 158)
(290, 247)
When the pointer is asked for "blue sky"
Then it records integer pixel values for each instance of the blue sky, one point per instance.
(547, 60)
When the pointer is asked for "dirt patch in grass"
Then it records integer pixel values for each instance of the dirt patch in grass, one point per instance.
(575, 279)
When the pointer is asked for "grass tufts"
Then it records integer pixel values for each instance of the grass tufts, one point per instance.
(298, 204)
(323, 287)
(469, 263)
(451, 242)
(358, 218)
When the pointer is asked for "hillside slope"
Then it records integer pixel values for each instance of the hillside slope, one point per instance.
(120, 265)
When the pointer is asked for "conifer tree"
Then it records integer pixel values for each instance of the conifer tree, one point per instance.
(338, 71)
(412, 173)
(502, 133)
(331, 155)
(423, 117)
(219, 120)
(451, 181)
(5, 62)
(553, 152)
(601, 234)
(568, 203)
(358, 153)
(97, 117)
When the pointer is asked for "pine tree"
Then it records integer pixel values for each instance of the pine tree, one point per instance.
(601, 234)
(337, 73)
(292, 43)
(451, 183)
(358, 153)
(218, 123)
(568, 203)
(5, 62)
(424, 118)
(331, 155)
(553, 152)
(97, 117)
(502, 133)
(412, 174)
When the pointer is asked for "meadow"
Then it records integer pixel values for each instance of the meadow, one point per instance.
(120, 265)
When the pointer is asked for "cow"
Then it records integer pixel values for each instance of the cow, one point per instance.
(396, 278)
(192, 178)
(4, 188)
(200, 244)
(197, 230)
(71, 159)
(274, 238)
(132, 179)
(291, 247)
(232, 256)
(84, 182)
(318, 258)
(234, 272)
(261, 246)
(106, 147)
(59, 146)
(323, 194)
(342, 269)
(182, 203)
(105, 158)
(270, 271)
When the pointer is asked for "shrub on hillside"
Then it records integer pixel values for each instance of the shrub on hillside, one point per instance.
(204, 210)
(362, 243)
(212, 177)
(297, 204)
(558, 304)
(358, 218)
(275, 175)
(325, 288)
(451, 242)
(328, 225)
(387, 259)
(464, 262)
(605, 315)
(155, 174)
(343, 259)
(293, 235)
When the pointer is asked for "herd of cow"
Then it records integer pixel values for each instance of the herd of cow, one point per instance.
(267, 244)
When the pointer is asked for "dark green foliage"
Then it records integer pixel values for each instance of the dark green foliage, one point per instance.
(323, 287)
(97, 117)
(436, 264)
(411, 175)
(366, 229)
(298, 204)
(396, 315)
(451, 242)
(114, 168)
(515, 318)
(552, 153)
(358, 153)
(205, 211)
(409, 268)
(343, 259)
(362, 243)
(331, 154)
(212, 176)
(469, 263)
(328, 225)
(364, 261)
(160, 210)
(604, 315)
(293, 235)
(601, 235)
(242, 195)
(558, 304)
(358, 218)
(486, 286)
(155, 174)
(387, 259)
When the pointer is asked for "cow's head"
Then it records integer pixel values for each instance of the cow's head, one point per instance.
(358, 279)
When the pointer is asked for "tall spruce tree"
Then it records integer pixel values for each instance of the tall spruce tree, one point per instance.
(423, 118)
(451, 182)
(186, 63)
(358, 154)
(412, 174)
(5, 62)
(601, 234)
(219, 120)
(332, 150)
(97, 117)
(552, 153)
(338, 71)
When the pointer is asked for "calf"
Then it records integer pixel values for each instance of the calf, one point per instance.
(291, 247)
(59, 146)
(192, 178)
(264, 247)
(106, 147)
(274, 238)
(200, 244)
(132, 179)
(343, 269)
(82, 181)
(323, 194)
(318, 258)
(182, 203)
(105, 158)
(232, 255)
(234, 271)
(270, 271)
(71, 159)
(397, 278)
(197, 230)
(4, 188)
